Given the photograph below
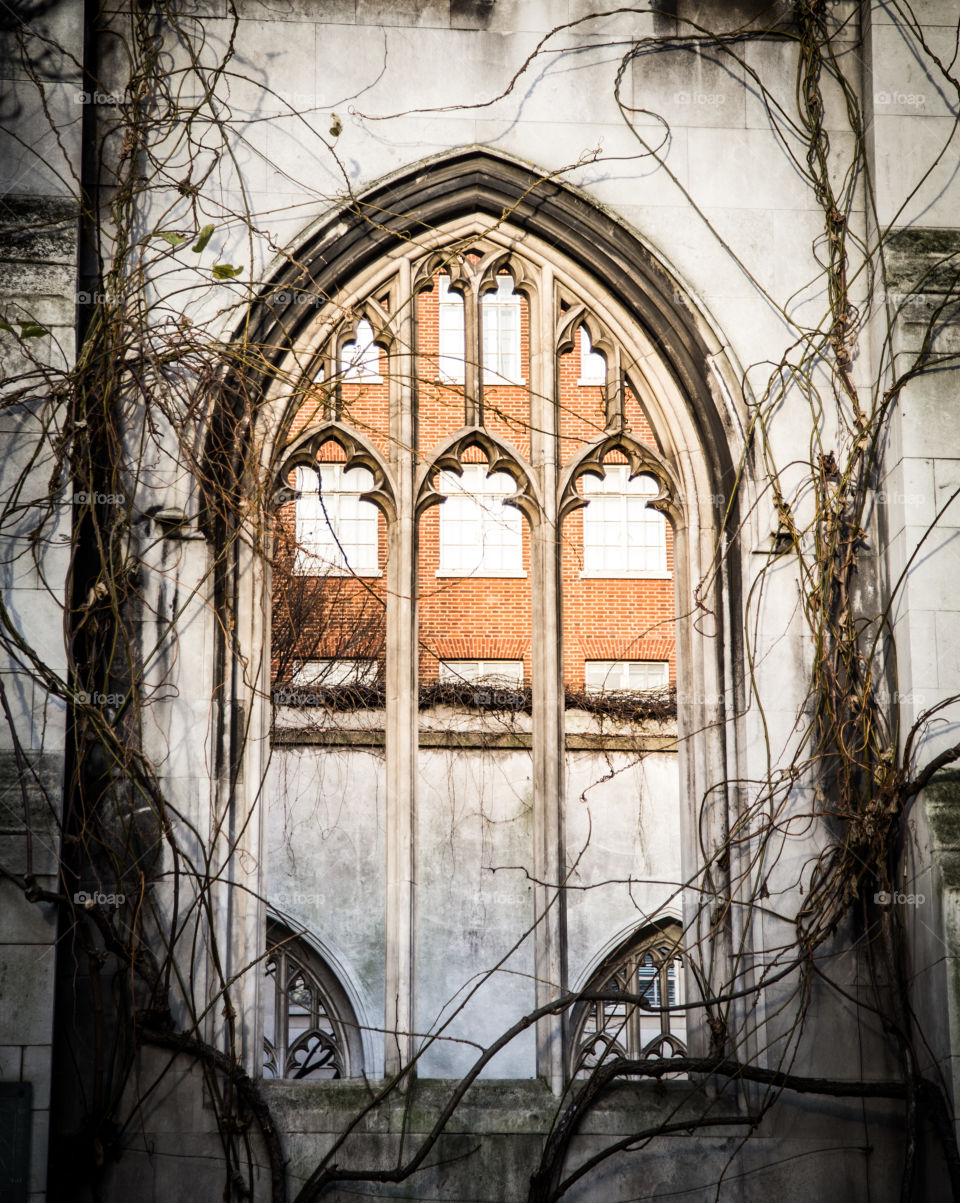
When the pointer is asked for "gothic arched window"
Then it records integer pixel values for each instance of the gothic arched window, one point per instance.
(648, 965)
(310, 1029)
(525, 533)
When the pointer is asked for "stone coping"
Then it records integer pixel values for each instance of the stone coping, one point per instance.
(511, 741)
(490, 1106)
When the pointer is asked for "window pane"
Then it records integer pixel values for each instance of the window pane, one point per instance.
(621, 534)
(336, 530)
(362, 357)
(478, 533)
(451, 333)
(607, 675)
(593, 366)
(335, 672)
(501, 331)
(506, 672)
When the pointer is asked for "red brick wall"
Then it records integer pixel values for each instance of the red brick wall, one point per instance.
(603, 619)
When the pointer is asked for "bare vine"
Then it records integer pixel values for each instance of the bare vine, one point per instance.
(170, 335)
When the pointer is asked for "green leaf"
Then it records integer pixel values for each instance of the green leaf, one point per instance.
(203, 238)
(172, 237)
(31, 330)
(225, 271)
(336, 126)
(6, 326)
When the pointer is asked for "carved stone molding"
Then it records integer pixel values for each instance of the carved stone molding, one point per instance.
(501, 457)
(359, 452)
(640, 456)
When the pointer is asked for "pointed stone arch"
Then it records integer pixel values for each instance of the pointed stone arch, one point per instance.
(359, 453)
(672, 358)
(501, 457)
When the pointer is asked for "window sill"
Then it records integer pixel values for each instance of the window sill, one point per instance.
(487, 576)
(340, 573)
(488, 381)
(585, 382)
(626, 576)
(346, 378)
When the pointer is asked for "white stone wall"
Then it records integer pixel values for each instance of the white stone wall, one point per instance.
(720, 200)
(474, 897)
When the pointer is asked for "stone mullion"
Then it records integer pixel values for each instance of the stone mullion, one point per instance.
(548, 713)
(331, 399)
(401, 701)
(614, 393)
(473, 367)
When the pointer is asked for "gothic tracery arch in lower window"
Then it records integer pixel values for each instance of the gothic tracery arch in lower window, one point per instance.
(648, 965)
(310, 1030)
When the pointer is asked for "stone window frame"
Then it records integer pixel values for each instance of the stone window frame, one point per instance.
(627, 1030)
(333, 1027)
(407, 484)
(693, 391)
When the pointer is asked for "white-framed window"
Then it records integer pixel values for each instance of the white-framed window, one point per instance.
(607, 676)
(501, 333)
(622, 536)
(593, 366)
(360, 360)
(479, 535)
(489, 672)
(335, 672)
(336, 530)
(450, 335)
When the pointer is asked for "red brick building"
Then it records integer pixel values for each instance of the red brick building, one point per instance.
(474, 598)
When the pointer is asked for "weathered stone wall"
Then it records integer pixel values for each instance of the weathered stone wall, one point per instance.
(720, 201)
(325, 869)
(37, 285)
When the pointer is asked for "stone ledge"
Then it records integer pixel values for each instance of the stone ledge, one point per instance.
(509, 741)
(39, 229)
(490, 1107)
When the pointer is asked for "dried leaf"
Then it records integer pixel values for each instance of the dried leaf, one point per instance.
(203, 238)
